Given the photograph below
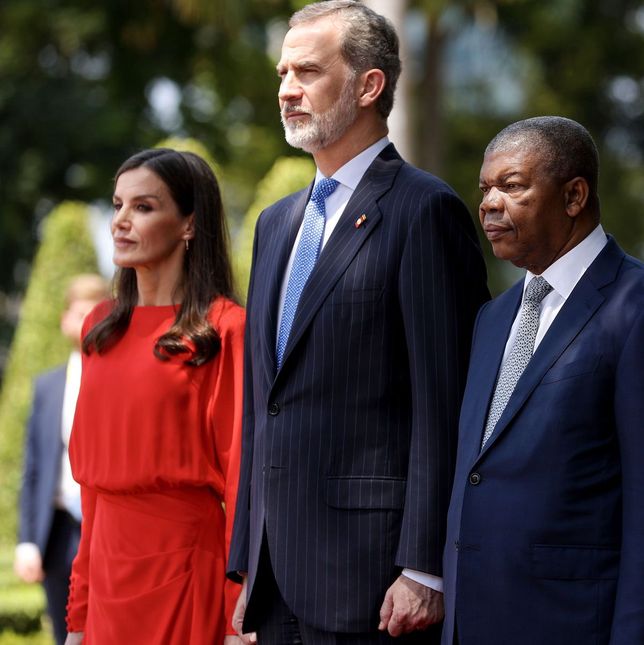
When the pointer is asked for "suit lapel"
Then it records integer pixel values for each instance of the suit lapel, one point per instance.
(345, 241)
(56, 402)
(579, 308)
(485, 367)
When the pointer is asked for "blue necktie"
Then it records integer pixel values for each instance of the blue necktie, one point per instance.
(305, 257)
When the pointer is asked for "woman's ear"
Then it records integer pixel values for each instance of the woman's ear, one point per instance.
(189, 227)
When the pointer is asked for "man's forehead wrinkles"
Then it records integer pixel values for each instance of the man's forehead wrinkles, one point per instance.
(305, 56)
(504, 168)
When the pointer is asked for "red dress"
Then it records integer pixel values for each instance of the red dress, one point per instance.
(156, 447)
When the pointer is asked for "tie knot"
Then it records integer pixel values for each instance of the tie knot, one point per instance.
(323, 189)
(537, 289)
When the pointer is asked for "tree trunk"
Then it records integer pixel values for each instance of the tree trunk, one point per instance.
(400, 118)
(430, 96)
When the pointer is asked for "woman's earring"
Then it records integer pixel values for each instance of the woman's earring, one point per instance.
(187, 245)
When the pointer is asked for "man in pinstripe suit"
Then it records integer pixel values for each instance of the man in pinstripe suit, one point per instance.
(350, 419)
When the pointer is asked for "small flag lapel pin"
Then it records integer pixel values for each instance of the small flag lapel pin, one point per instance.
(360, 221)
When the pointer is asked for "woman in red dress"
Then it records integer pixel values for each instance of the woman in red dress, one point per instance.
(156, 437)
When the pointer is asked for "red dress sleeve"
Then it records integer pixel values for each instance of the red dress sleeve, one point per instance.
(226, 415)
(79, 581)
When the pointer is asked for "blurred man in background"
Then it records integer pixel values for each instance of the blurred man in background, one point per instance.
(50, 498)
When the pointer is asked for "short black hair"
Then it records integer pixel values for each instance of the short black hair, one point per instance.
(565, 146)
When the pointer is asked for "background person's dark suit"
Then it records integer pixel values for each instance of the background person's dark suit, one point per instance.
(54, 531)
(349, 447)
(546, 527)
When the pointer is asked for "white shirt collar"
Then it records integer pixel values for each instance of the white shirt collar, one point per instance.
(351, 173)
(564, 274)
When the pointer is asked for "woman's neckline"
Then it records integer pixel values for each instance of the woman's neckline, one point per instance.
(156, 307)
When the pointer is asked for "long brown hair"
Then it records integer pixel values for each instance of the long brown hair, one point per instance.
(207, 270)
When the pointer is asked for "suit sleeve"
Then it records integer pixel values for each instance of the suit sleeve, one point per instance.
(442, 284)
(628, 621)
(27, 520)
(240, 541)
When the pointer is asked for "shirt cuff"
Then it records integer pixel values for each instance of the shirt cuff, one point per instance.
(27, 550)
(427, 579)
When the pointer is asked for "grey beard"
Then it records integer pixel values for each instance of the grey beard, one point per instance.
(323, 129)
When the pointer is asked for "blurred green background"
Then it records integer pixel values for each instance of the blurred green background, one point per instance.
(85, 84)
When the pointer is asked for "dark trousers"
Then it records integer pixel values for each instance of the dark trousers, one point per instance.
(279, 626)
(57, 564)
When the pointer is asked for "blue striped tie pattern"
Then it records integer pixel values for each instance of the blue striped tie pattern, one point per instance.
(305, 258)
(520, 354)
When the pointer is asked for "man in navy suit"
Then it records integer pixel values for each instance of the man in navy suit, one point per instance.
(355, 359)
(49, 500)
(546, 521)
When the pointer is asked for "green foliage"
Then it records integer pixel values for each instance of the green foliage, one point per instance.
(552, 57)
(190, 145)
(20, 611)
(107, 60)
(36, 638)
(21, 606)
(581, 53)
(66, 249)
(288, 174)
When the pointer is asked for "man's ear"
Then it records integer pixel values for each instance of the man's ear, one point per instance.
(372, 84)
(576, 193)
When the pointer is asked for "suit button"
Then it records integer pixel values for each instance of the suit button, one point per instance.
(273, 409)
(475, 479)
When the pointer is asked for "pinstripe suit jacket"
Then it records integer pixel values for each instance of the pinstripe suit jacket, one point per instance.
(349, 448)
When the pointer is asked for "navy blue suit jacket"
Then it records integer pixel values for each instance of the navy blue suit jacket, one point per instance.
(348, 449)
(545, 537)
(42, 459)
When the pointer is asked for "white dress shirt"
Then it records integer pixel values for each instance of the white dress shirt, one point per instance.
(562, 275)
(68, 496)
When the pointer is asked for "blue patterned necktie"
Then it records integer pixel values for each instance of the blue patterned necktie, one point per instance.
(520, 353)
(305, 258)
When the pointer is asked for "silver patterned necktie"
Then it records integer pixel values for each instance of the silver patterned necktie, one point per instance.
(305, 257)
(520, 353)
